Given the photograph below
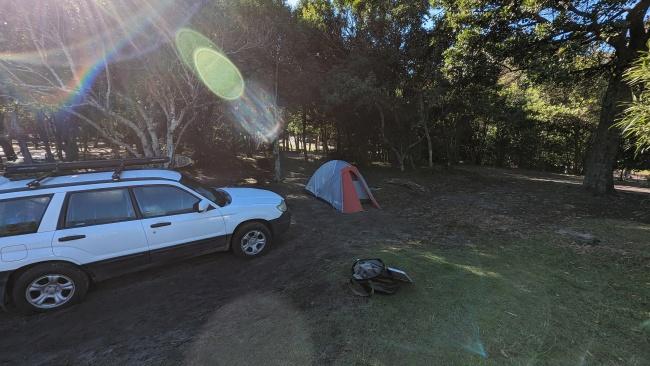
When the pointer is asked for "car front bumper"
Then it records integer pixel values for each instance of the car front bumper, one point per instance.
(4, 296)
(281, 224)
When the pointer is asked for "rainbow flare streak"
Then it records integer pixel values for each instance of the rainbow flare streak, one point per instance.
(149, 24)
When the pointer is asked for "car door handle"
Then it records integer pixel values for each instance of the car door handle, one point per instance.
(72, 237)
(160, 224)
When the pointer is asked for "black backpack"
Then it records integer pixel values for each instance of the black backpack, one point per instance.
(372, 275)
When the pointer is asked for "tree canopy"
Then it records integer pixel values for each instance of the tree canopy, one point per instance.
(531, 84)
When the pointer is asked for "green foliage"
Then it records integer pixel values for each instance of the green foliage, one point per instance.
(635, 123)
(557, 122)
(507, 83)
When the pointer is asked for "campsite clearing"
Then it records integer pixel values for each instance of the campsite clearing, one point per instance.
(501, 278)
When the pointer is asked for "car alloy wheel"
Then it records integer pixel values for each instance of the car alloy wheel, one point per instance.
(50, 291)
(253, 242)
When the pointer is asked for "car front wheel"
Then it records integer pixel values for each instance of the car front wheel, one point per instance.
(48, 287)
(251, 240)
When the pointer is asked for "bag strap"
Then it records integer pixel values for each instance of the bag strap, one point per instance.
(361, 288)
(384, 285)
(367, 288)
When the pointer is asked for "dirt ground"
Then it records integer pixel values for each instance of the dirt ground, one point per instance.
(286, 308)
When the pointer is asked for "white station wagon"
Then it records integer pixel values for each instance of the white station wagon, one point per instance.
(60, 232)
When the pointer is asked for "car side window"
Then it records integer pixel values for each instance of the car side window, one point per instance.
(20, 216)
(164, 201)
(99, 207)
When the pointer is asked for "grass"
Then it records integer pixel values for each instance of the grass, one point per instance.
(532, 301)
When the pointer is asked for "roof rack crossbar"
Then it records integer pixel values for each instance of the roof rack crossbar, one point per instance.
(37, 182)
(54, 168)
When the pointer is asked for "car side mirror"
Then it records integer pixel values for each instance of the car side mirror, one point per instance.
(202, 206)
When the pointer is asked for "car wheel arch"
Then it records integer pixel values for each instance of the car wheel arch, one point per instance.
(261, 221)
(18, 271)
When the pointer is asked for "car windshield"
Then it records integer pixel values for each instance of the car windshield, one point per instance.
(217, 196)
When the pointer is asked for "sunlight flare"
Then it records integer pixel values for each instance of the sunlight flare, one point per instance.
(218, 73)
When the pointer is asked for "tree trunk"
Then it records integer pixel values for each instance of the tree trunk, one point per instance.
(427, 135)
(58, 140)
(151, 146)
(116, 151)
(599, 177)
(170, 144)
(304, 131)
(21, 137)
(249, 146)
(338, 137)
(41, 122)
(412, 162)
(277, 169)
(400, 159)
(287, 142)
(7, 148)
(326, 148)
(577, 152)
(400, 155)
(296, 142)
(5, 141)
(70, 143)
(425, 123)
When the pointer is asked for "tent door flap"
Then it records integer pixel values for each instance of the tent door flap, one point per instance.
(361, 192)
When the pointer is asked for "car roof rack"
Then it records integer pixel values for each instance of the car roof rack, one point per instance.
(53, 169)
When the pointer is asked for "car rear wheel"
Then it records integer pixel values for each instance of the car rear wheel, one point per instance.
(251, 240)
(48, 287)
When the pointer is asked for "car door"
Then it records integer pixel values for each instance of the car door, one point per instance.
(174, 227)
(100, 229)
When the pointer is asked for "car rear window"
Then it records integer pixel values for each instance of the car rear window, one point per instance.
(99, 207)
(20, 216)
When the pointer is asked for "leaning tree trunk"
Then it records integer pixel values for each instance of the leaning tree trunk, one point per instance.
(599, 177)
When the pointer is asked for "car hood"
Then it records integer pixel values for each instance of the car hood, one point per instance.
(242, 196)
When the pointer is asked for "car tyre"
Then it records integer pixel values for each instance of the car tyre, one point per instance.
(251, 240)
(48, 287)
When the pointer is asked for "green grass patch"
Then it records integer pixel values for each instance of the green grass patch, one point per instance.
(513, 302)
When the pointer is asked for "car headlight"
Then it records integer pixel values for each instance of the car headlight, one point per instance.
(282, 206)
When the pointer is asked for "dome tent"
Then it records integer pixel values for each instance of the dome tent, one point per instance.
(342, 185)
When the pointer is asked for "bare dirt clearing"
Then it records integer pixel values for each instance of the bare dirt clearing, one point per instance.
(496, 282)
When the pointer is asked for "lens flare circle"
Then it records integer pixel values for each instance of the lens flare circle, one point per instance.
(218, 73)
(187, 41)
